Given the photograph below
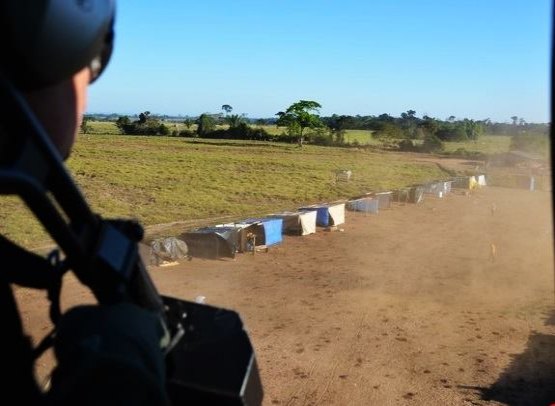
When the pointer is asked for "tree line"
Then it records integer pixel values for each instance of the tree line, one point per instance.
(301, 123)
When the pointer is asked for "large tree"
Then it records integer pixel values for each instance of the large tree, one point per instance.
(300, 115)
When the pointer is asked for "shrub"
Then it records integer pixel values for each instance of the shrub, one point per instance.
(241, 132)
(530, 143)
(406, 145)
(431, 144)
(187, 133)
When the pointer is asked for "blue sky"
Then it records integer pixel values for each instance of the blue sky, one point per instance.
(468, 58)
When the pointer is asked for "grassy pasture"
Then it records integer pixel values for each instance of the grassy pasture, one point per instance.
(487, 144)
(166, 179)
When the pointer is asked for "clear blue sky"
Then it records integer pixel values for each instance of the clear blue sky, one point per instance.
(468, 58)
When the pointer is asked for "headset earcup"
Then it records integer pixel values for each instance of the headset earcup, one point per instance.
(47, 41)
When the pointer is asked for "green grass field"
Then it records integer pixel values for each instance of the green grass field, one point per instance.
(487, 144)
(166, 179)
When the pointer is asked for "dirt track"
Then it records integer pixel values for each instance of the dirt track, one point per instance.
(406, 307)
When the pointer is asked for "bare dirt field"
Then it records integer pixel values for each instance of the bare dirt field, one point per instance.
(405, 307)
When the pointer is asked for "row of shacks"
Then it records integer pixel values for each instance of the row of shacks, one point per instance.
(250, 235)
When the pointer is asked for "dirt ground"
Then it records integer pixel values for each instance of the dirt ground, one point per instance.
(405, 307)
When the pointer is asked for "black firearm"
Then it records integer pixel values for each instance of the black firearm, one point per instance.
(209, 356)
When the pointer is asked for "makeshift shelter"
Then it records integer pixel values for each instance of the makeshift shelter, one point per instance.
(435, 188)
(271, 230)
(446, 186)
(328, 214)
(401, 195)
(212, 242)
(416, 195)
(297, 223)
(364, 204)
(527, 182)
(167, 250)
(411, 194)
(245, 230)
(384, 199)
(465, 182)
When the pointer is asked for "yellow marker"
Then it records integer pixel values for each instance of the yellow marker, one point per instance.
(493, 252)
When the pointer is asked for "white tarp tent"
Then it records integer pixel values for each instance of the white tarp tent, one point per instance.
(481, 179)
(297, 223)
(337, 213)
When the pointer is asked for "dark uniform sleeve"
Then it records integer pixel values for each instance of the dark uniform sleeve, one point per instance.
(109, 355)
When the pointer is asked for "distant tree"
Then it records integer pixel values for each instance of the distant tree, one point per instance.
(410, 113)
(431, 144)
(299, 116)
(206, 123)
(429, 125)
(386, 117)
(163, 129)
(515, 120)
(521, 121)
(451, 118)
(451, 131)
(145, 125)
(473, 128)
(188, 122)
(409, 122)
(143, 117)
(85, 127)
(122, 123)
(234, 120)
(387, 130)
(227, 108)
(338, 125)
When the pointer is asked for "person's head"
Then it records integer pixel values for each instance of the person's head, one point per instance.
(52, 50)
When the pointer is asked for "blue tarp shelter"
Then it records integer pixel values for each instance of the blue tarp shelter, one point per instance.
(272, 230)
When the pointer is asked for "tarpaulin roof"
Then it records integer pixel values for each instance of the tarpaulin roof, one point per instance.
(384, 199)
(272, 229)
(328, 214)
(412, 194)
(243, 229)
(167, 249)
(212, 242)
(297, 223)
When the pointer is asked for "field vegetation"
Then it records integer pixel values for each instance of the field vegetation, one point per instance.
(160, 170)
(166, 179)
